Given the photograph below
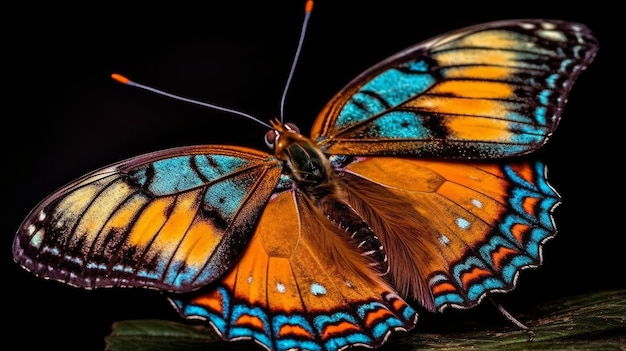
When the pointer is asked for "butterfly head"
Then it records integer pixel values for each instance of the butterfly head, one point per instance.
(281, 136)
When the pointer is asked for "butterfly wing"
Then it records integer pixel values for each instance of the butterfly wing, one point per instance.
(301, 285)
(453, 231)
(488, 91)
(174, 220)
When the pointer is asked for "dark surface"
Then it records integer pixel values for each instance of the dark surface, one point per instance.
(593, 321)
(65, 117)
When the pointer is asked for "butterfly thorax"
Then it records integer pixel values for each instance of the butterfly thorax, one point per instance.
(303, 162)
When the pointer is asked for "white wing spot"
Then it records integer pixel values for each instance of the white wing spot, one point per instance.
(250, 280)
(42, 216)
(317, 289)
(462, 223)
(37, 239)
(477, 203)
(281, 288)
(552, 35)
(444, 239)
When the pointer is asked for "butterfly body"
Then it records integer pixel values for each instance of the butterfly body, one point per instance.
(406, 190)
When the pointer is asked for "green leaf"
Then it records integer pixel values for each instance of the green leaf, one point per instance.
(595, 321)
(151, 334)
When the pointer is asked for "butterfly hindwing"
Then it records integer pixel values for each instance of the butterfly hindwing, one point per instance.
(488, 91)
(512, 244)
(301, 284)
(175, 220)
(453, 231)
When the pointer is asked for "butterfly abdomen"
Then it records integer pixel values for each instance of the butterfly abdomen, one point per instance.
(358, 232)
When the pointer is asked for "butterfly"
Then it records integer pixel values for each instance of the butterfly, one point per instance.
(409, 188)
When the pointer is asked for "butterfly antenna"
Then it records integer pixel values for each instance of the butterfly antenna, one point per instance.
(127, 81)
(308, 8)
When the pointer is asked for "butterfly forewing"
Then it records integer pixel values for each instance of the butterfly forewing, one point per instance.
(175, 220)
(489, 91)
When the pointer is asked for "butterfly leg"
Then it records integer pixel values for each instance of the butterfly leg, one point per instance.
(507, 315)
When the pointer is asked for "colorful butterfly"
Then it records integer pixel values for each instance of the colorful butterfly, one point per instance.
(405, 190)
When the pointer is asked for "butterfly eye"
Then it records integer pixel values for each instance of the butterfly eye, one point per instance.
(270, 138)
(272, 135)
(292, 127)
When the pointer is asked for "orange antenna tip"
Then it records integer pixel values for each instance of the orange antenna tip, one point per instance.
(120, 78)
(308, 7)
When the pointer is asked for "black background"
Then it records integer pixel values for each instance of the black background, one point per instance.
(66, 117)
